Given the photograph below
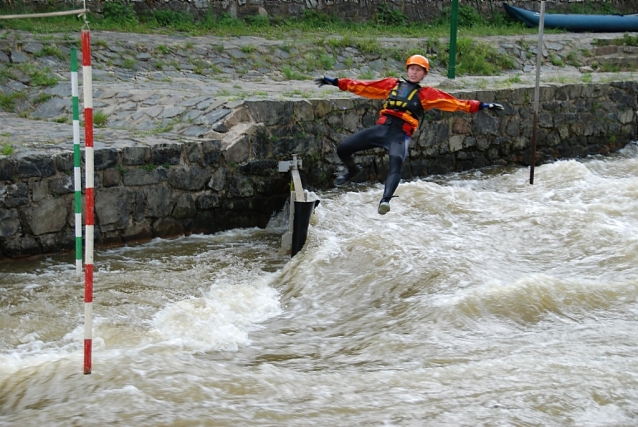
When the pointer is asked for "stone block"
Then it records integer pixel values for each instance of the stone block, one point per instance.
(135, 155)
(9, 222)
(240, 186)
(626, 116)
(167, 228)
(56, 242)
(190, 179)
(48, 216)
(456, 143)
(137, 232)
(52, 108)
(137, 177)
(303, 110)
(64, 162)
(33, 164)
(159, 201)
(105, 157)
(321, 107)
(111, 177)
(39, 190)
(113, 207)
(17, 246)
(260, 167)
(211, 151)
(184, 206)
(237, 150)
(162, 154)
(434, 134)
(207, 201)
(218, 179)
(7, 168)
(13, 195)
(270, 112)
(485, 124)
(18, 57)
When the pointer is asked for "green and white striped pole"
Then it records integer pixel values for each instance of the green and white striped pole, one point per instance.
(77, 159)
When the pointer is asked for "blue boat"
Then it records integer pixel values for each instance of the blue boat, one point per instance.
(576, 22)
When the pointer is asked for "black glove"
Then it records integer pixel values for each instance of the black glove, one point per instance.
(320, 81)
(491, 106)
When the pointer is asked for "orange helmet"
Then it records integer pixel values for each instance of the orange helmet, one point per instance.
(419, 60)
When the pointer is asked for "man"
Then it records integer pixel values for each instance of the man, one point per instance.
(406, 102)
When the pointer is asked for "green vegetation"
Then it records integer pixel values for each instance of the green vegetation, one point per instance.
(387, 21)
(128, 63)
(514, 79)
(37, 76)
(292, 74)
(51, 50)
(99, 119)
(7, 101)
(366, 75)
(626, 40)
(556, 60)
(7, 149)
(477, 58)
(248, 49)
(591, 8)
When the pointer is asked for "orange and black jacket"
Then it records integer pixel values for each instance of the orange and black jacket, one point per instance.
(410, 106)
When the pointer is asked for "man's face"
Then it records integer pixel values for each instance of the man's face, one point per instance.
(415, 73)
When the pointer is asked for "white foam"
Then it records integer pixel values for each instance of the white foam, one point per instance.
(222, 319)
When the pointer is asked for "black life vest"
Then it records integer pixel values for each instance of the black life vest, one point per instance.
(404, 98)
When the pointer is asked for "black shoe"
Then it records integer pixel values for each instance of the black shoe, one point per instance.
(347, 177)
(384, 206)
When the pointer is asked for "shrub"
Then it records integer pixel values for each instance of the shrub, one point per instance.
(477, 58)
(259, 21)
(467, 17)
(173, 19)
(386, 15)
(119, 12)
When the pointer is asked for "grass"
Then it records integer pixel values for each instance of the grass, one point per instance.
(99, 119)
(292, 74)
(477, 58)
(7, 101)
(311, 25)
(7, 149)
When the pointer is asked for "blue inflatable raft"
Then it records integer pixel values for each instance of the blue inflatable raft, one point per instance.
(576, 22)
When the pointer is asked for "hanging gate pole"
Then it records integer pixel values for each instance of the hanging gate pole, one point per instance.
(90, 198)
(539, 54)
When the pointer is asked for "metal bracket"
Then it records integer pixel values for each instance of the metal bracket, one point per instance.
(293, 166)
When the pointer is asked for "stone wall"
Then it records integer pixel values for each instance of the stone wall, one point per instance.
(351, 10)
(205, 186)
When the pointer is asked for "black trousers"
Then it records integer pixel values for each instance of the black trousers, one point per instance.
(392, 138)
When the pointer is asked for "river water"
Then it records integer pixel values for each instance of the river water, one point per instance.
(479, 300)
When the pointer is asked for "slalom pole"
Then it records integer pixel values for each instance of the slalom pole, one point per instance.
(77, 183)
(451, 72)
(90, 198)
(539, 54)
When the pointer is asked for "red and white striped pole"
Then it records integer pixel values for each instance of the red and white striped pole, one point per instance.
(90, 198)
